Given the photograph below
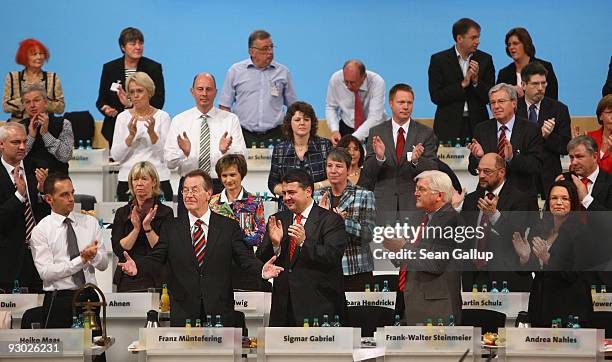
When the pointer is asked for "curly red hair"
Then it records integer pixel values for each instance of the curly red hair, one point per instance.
(26, 46)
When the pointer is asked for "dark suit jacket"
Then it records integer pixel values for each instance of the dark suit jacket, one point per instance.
(188, 282)
(114, 71)
(392, 181)
(313, 280)
(602, 192)
(607, 88)
(508, 75)
(445, 90)
(12, 222)
(431, 291)
(556, 143)
(526, 143)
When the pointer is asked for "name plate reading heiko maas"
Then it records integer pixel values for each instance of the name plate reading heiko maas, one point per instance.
(508, 303)
(602, 302)
(131, 305)
(252, 304)
(371, 299)
(314, 341)
(566, 342)
(19, 303)
(415, 340)
(43, 342)
(190, 341)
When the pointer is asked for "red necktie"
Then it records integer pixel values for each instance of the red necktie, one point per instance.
(402, 275)
(199, 241)
(298, 220)
(358, 110)
(585, 181)
(399, 145)
(502, 141)
(482, 242)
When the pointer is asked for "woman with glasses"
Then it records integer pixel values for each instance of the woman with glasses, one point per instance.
(140, 134)
(603, 135)
(520, 48)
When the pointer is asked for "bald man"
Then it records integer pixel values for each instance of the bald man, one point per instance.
(200, 136)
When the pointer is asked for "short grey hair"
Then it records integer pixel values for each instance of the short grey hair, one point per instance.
(34, 87)
(440, 182)
(510, 91)
(588, 142)
(340, 155)
(4, 130)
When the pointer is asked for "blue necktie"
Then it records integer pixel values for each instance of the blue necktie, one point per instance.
(533, 116)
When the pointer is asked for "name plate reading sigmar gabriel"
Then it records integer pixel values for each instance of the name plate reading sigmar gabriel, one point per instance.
(314, 340)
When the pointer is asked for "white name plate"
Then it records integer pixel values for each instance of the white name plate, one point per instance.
(457, 158)
(131, 305)
(602, 302)
(371, 299)
(551, 341)
(17, 304)
(70, 340)
(219, 341)
(97, 157)
(424, 339)
(252, 304)
(508, 303)
(259, 159)
(311, 341)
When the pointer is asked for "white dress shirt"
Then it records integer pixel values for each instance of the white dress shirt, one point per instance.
(588, 199)
(219, 122)
(9, 169)
(340, 103)
(50, 250)
(224, 199)
(141, 149)
(537, 107)
(305, 215)
(395, 129)
(464, 64)
(509, 126)
(205, 219)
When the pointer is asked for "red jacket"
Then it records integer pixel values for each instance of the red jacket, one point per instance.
(605, 161)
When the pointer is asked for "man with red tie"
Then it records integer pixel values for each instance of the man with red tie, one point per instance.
(355, 101)
(397, 151)
(309, 243)
(199, 248)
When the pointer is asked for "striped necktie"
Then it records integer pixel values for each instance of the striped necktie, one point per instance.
(501, 144)
(27, 210)
(199, 241)
(204, 156)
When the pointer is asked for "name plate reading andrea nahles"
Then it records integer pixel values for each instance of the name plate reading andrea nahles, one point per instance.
(508, 303)
(18, 303)
(371, 299)
(428, 338)
(319, 340)
(131, 305)
(602, 302)
(544, 341)
(31, 347)
(217, 340)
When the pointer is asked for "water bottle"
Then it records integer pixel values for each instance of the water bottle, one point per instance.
(593, 289)
(254, 145)
(75, 322)
(218, 323)
(376, 288)
(16, 288)
(474, 288)
(554, 323)
(262, 145)
(440, 322)
(570, 321)
(429, 322)
(315, 322)
(603, 289)
(505, 287)
(494, 287)
(397, 322)
(467, 141)
(81, 146)
(187, 323)
(458, 143)
(208, 321)
(162, 197)
(306, 324)
(367, 288)
(576, 323)
(385, 286)
(336, 321)
(325, 321)
(198, 323)
(451, 320)
(88, 144)
(484, 288)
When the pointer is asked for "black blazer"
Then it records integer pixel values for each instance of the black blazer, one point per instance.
(508, 75)
(114, 71)
(445, 90)
(526, 143)
(313, 280)
(12, 222)
(556, 143)
(602, 192)
(189, 284)
(607, 88)
(392, 181)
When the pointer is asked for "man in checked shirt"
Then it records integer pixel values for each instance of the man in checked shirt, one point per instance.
(356, 206)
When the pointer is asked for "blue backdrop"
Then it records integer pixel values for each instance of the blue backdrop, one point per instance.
(394, 38)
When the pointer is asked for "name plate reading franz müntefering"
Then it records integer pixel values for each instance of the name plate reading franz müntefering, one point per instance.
(371, 299)
(213, 340)
(429, 338)
(538, 341)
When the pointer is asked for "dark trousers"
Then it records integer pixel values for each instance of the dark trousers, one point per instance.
(180, 207)
(344, 129)
(357, 282)
(29, 275)
(123, 191)
(258, 137)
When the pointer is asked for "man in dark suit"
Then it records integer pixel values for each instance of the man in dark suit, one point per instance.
(112, 96)
(20, 210)
(397, 151)
(459, 79)
(501, 210)
(518, 141)
(199, 248)
(430, 289)
(309, 243)
(551, 116)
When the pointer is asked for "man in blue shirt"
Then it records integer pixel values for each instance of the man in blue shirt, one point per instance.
(257, 88)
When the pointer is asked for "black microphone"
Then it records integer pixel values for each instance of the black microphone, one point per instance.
(464, 355)
(50, 308)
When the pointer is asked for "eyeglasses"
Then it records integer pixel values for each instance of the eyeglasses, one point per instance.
(265, 49)
(422, 190)
(537, 84)
(192, 191)
(487, 171)
(501, 102)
